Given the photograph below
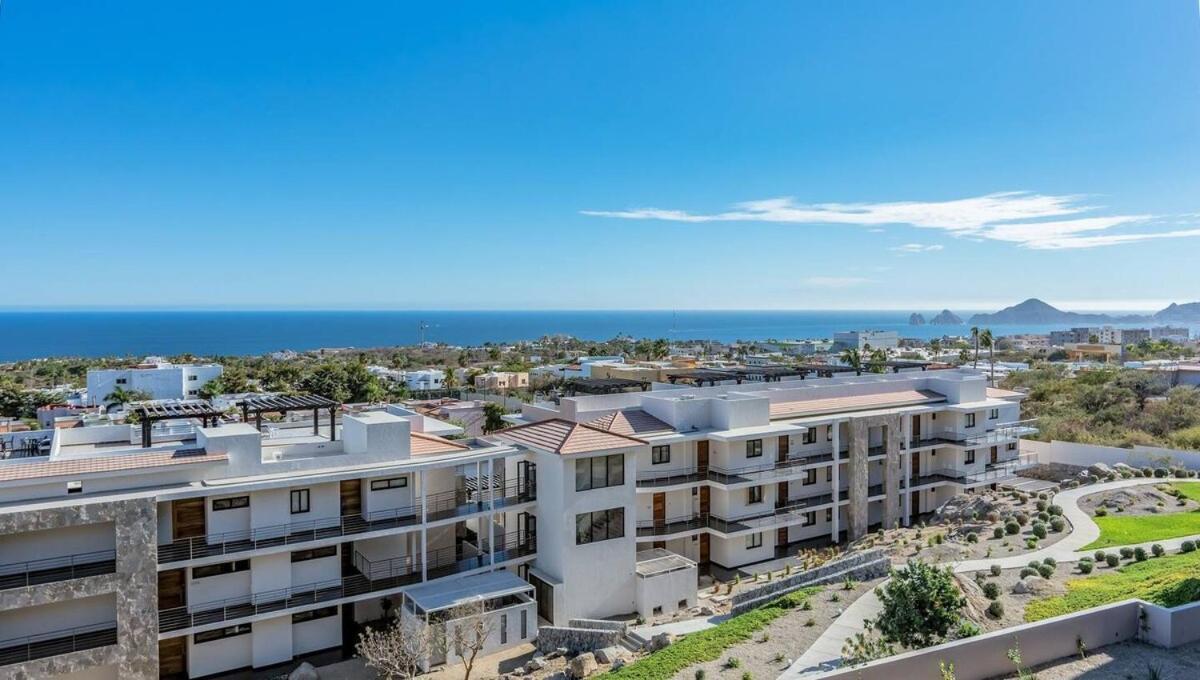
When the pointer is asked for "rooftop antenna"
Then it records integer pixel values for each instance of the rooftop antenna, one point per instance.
(421, 325)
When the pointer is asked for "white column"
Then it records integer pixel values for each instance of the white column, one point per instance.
(491, 516)
(906, 461)
(835, 529)
(478, 482)
(424, 525)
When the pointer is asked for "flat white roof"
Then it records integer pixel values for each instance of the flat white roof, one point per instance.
(436, 596)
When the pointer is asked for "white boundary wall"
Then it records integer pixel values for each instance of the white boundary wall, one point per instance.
(986, 656)
(1072, 453)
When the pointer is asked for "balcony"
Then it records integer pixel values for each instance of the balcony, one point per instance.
(652, 478)
(440, 506)
(32, 647)
(49, 570)
(786, 513)
(372, 576)
(1000, 434)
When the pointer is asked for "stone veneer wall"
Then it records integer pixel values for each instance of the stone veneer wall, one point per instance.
(892, 473)
(134, 584)
(859, 482)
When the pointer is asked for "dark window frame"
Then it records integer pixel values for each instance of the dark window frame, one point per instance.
(602, 472)
(221, 633)
(754, 495)
(754, 540)
(231, 503)
(300, 501)
(314, 614)
(660, 454)
(810, 436)
(220, 569)
(970, 420)
(810, 477)
(754, 448)
(314, 553)
(610, 522)
(389, 483)
(969, 457)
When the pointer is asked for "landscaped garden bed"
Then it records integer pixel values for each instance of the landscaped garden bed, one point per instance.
(1144, 513)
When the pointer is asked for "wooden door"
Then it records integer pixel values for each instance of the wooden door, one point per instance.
(187, 518)
(781, 537)
(704, 539)
(171, 590)
(172, 658)
(916, 428)
(351, 497)
(704, 497)
(782, 455)
(995, 455)
(659, 503)
(702, 456)
(781, 494)
(916, 464)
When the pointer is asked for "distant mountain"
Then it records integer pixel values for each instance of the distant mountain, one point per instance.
(916, 319)
(946, 318)
(1034, 311)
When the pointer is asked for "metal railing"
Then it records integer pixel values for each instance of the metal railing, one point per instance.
(438, 507)
(42, 645)
(753, 518)
(49, 570)
(378, 575)
(1003, 432)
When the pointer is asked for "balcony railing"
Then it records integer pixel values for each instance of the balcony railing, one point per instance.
(440, 506)
(49, 570)
(378, 575)
(751, 519)
(31, 647)
(1003, 432)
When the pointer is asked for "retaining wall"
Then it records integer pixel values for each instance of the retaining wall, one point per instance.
(580, 635)
(860, 567)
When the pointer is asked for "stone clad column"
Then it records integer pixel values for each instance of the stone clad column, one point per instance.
(136, 523)
(857, 490)
(891, 471)
(906, 465)
(835, 532)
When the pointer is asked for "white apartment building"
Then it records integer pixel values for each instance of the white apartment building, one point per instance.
(731, 475)
(861, 339)
(156, 376)
(420, 380)
(218, 547)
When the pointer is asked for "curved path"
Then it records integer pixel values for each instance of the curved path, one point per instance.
(825, 652)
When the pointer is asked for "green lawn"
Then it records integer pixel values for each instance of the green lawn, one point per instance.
(1117, 530)
(708, 645)
(1167, 581)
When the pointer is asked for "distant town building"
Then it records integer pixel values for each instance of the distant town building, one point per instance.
(1176, 333)
(860, 339)
(502, 380)
(421, 380)
(155, 376)
(1087, 351)
(1132, 336)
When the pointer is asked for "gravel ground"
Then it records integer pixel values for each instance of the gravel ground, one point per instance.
(1126, 661)
(787, 636)
(1014, 604)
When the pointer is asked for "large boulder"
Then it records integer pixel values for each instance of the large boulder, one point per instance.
(608, 654)
(660, 641)
(1036, 585)
(1100, 469)
(304, 671)
(582, 666)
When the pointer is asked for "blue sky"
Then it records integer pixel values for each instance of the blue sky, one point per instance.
(599, 155)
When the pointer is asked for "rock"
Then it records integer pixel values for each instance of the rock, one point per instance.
(537, 663)
(562, 651)
(706, 611)
(304, 671)
(1100, 469)
(787, 663)
(608, 654)
(1020, 587)
(582, 666)
(618, 663)
(660, 641)
(1123, 467)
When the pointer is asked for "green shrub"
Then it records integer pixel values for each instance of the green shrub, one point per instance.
(1126, 553)
(1085, 567)
(972, 537)
(995, 569)
(733, 662)
(1011, 527)
(1054, 510)
(1039, 530)
(991, 590)
(1158, 550)
(1051, 561)
(998, 532)
(1160, 472)
(1021, 518)
(1031, 543)
(1041, 505)
(1101, 511)
(1034, 564)
(1027, 571)
(1112, 559)
(700, 674)
(996, 609)
(1139, 554)
(1058, 524)
(1099, 555)
(1187, 546)
(1045, 571)
(967, 629)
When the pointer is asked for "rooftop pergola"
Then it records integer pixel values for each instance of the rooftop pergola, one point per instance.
(603, 385)
(257, 406)
(150, 413)
(699, 376)
(827, 370)
(768, 373)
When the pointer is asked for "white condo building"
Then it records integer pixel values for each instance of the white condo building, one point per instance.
(156, 376)
(139, 552)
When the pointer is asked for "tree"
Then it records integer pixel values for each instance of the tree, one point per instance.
(471, 626)
(878, 360)
(1143, 384)
(853, 358)
(921, 604)
(989, 343)
(935, 347)
(451, 379)
(400, 650)
(493, 417)
(120, 396)
(975, 340)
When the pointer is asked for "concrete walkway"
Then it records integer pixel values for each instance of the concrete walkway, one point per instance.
(825, 654)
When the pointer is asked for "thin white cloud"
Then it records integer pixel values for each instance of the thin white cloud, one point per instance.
(1027, 219)
(917, 248)
(834, 281)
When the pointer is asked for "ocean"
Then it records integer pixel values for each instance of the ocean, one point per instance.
(28, 335)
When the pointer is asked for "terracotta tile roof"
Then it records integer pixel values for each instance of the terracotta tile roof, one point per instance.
(564, 437)
(864, 402)
(424, 444)
(631, 423)
(83, 466)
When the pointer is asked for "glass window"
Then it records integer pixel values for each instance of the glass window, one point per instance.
(599, 472)
(829, 474)
(810, 518)
(504, 629)
(828, 514)
(810, 436)
(601, 525)
(394, 483)
(583, 475)
(221, 633)
(829, 433)
(314, 554)
(754, 541)
(994, 414)
(583, 528)
(810, 477)
(524, 624)
(209, 570)
(300, 501)
(970, 420)
(231, 503)
(660, 455)
(754, 494)
(313, 614)
(616, 470)
(754, 448)
(970, 457)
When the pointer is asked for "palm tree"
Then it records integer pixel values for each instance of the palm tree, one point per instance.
(121, 396)
(975, 339)
(935, 346)
(989, 342)
(878, 361)
(853, 358)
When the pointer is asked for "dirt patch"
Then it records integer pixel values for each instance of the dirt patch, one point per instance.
(784, 640)
(1137, 500)
(972, 585)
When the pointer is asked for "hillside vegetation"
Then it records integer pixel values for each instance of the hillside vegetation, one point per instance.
(1118, 407)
